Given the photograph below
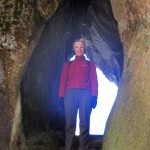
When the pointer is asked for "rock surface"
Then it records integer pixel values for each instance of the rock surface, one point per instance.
(20, 27)
(36, 40)
(128, 125)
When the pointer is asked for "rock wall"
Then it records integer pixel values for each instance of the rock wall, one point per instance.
(20, 27)
(128, 126)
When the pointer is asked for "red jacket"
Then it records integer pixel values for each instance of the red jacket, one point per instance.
(79, 74)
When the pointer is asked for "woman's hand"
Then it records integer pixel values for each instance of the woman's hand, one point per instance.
(94, 101)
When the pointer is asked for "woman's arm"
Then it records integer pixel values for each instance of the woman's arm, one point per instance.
(93, 77)
(63, 80)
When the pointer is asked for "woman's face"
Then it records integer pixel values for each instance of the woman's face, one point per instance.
(79, 48)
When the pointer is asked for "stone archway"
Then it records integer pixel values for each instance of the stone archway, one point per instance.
(41, 80)
(125, 126)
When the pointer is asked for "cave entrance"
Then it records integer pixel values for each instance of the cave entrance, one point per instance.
(92, 20)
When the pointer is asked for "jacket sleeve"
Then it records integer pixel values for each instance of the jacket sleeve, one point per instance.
(63, 80)
(93, 77)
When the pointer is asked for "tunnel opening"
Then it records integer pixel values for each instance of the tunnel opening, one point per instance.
(92, 20)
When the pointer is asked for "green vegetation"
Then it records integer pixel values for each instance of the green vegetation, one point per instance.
(10, 13)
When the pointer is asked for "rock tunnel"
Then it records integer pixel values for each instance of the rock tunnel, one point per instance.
(36, 40)
(90, 20)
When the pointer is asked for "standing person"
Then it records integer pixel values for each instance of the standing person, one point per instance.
(79, 90)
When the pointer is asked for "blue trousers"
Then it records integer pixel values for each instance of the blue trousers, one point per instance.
(77, 99)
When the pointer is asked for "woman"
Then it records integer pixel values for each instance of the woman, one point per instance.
(79, 89)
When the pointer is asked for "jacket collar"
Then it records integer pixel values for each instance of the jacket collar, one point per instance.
(79, 57)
